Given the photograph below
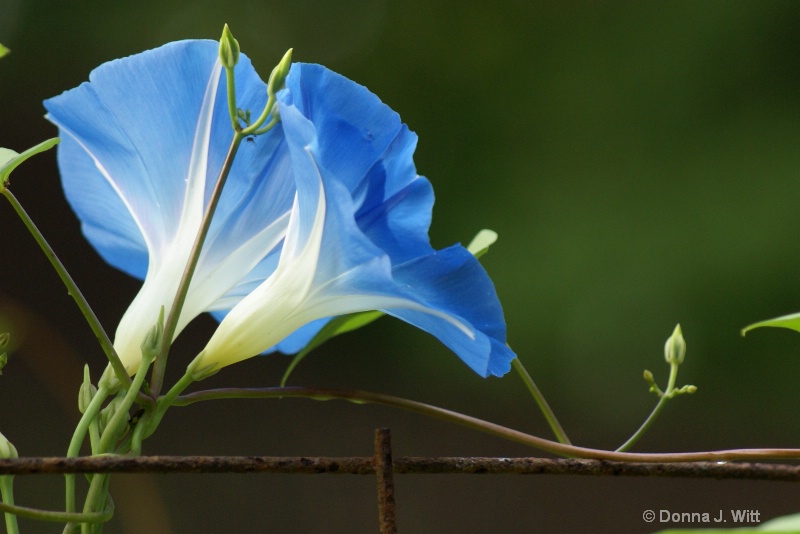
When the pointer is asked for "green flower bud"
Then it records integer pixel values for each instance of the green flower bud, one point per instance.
(7, 449)
(108, 412)
(228, 49)
(277, 79)
(675, 347)
(151, 344)
(3, 50)
(86, 392)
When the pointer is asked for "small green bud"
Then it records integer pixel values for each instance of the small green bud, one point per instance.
(107, 413)
(86, 392)
(244, 115)
(277, 79)
(3, 50)
(228, 49)
(151, 344)
(7, 449)
(648, 377)
(109, 380)
(675, 347)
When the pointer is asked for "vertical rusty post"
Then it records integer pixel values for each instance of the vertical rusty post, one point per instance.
(384, 473)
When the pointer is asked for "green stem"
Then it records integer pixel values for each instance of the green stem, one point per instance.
(662, 401)
(113, 429)
(171, 323)
(253, 129)
(555, 426)
(164, 403)
(72, 289)
(137, 436)
(7, 499)
(560, 449)
(99, 499)
(57, 517)
(231, 81)
(97, 490)
(362, 397)
(89, 416)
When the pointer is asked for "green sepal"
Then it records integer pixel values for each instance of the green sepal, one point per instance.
(9, 160)
(791, 322)
(339, 325)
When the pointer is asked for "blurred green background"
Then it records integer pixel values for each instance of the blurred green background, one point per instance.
(640, 162)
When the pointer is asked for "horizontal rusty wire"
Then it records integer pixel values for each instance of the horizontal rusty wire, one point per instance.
(401, 465)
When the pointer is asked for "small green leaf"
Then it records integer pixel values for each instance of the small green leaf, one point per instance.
(787, 321)
(786, 524)
(3, 50)
(481, 242)
(9, 160)
(339, 325)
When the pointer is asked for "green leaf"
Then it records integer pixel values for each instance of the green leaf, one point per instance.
(787, 321)
(3, 50)
(9, 160)
(481, 242)
(784, 524)
(339, 325)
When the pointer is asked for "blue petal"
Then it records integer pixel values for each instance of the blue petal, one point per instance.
(105, 221)
(136, 119)
(446, 293)
(453, 281)
(374, 252)
(362, 142)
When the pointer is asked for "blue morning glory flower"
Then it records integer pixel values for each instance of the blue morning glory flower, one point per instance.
(321, 216)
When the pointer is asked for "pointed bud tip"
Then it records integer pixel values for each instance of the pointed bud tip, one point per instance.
(277, 79)
(228, 49)
(675, 347)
